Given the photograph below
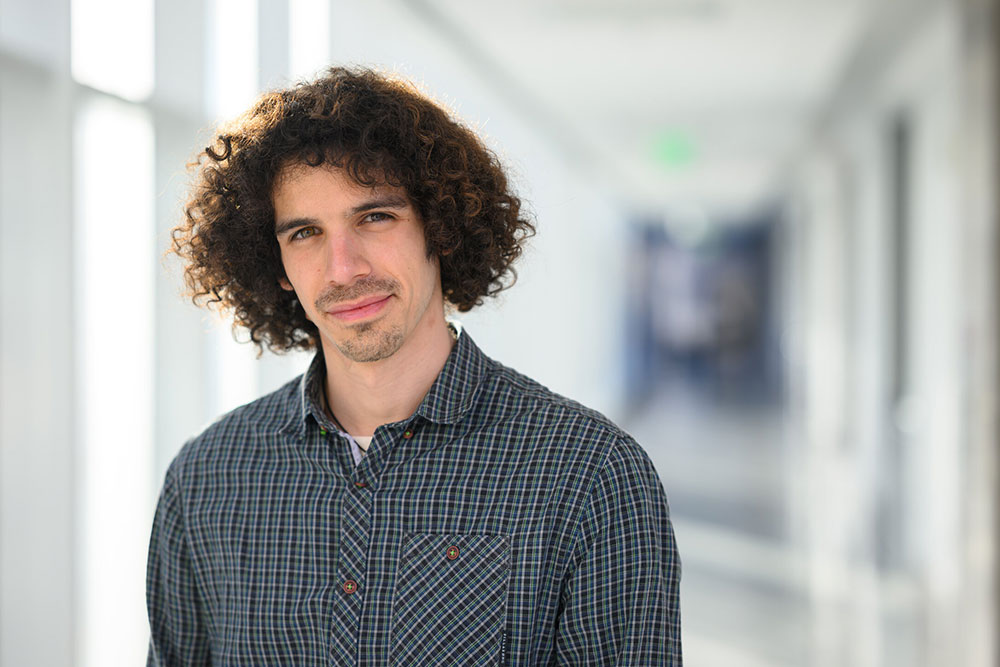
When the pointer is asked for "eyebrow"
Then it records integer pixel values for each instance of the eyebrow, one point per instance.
(386, 201)
(289, 225)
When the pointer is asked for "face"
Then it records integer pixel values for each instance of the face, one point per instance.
(357, 261)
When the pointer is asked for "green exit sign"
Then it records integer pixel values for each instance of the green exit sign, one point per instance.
(673, 149)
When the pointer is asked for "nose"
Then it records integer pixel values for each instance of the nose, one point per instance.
(345, 259)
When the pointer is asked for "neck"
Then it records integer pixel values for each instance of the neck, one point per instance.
(363, 396)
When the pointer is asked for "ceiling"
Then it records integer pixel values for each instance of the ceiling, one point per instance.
(678, 103)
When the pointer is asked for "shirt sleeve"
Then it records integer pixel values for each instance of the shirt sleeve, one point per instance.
(177, 631)
(620, 600)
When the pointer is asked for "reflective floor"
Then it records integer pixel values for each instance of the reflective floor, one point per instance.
(746, 599)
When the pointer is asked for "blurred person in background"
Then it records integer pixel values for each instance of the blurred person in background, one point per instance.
(407, 500)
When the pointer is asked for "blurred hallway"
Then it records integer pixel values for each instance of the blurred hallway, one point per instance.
(723, 465)
(746, 580)
(724, 471)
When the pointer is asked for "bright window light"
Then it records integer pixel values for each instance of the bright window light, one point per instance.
(233, 70)
(112, 46)
(309, 37)
(115, 260)
(235, 368)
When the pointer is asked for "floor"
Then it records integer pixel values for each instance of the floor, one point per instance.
(746, 598)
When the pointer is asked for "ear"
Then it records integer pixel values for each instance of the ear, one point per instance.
(285, 285)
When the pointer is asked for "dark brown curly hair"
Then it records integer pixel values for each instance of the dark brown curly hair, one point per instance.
(378, 129)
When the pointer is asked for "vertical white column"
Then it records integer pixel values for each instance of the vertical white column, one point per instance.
(939, 345)
(309, 37)
(272, 43)
(37, 430)
(37, 619)
(112, 46)
(869, 366)
(980, 142)
(181, 43)
(827, 463)
(232, 65)
(114, 297)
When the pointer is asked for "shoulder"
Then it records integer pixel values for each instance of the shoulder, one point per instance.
(609, 476)
(552, 417)
(517, 393)
(248, 427)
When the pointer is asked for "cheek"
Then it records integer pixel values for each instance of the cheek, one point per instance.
(300, 275)
(433, 269)
(286, 281)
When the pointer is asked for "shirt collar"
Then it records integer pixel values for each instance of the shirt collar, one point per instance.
(454, 392)
(450, 397)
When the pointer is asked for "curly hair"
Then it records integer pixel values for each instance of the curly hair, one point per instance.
(377, 129)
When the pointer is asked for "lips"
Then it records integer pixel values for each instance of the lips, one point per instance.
(360, 309)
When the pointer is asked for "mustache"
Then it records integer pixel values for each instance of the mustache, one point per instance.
(335, 294)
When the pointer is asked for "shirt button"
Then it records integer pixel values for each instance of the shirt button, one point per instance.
(407, 434)
(452, 553)
(350, 586)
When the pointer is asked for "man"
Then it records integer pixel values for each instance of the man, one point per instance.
(408, 501)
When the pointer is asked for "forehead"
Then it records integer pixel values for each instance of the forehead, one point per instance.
(302, 180)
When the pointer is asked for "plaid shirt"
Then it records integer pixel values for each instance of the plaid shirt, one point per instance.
(500, 524)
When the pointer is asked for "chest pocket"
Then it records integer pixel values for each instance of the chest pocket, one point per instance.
(450, 602)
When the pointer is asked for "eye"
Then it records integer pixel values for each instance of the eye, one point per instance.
(376, 216)
(303, 233)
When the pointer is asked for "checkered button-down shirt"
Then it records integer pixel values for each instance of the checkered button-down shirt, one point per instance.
(500, 524)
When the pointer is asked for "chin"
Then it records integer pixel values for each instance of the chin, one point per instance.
(371, 343)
